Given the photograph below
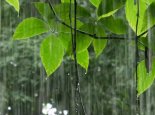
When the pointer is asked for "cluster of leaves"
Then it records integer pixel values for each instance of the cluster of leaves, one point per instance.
(108, 18)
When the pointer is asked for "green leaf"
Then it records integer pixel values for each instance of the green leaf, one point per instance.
(117, 26)
(107, 14)
(83, 59)
(65, 39)
(149, 18)
(109, 7)
(30, 27)
(131, 14)
(99, 45)
(148, 2)
(51, 53)
(62, 10)
(83, 41)
(95, 2)
(14, 3)
(45, 10)
(145, 79)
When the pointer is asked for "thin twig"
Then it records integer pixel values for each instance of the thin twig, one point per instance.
(145, 31)
(136, 59)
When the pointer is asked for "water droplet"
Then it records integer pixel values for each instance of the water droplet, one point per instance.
(52, 111)
(36, 94)
(48, 105)
(60, 112)
(98, 69)
(15, 65)
(44, 111)
(9, 108)
(11, 62)
(65, 112)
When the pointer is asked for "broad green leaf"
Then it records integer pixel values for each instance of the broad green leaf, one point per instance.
(131, 14)
(30, 27)
(149, 18)
(83, 41)
(117, 26)
(83, 59)
(65, 39)
(109, 7)
(95, 2)
(99, 45)
(145, 79)
(45, 10)
(63, 11)
(14, 3)
(51, 53)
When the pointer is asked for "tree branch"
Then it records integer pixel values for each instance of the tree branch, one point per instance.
(136, 60)
(89, 34)
(80, 31)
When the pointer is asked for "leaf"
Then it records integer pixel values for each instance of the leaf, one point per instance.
(83, 59)
(45, 10)
(30, 27)
(131, 14)
(65, 38)
(149, 18)
(99, 45)
(145, 79)
(14, 3)
(109, 7)
(148, 2)
(84, 41)
(108, 14)
(51, 53)
(62, 10)
(67, 1)
(117, 26)
(95, 2)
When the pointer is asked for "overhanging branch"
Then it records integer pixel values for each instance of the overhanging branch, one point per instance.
(93, 35)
